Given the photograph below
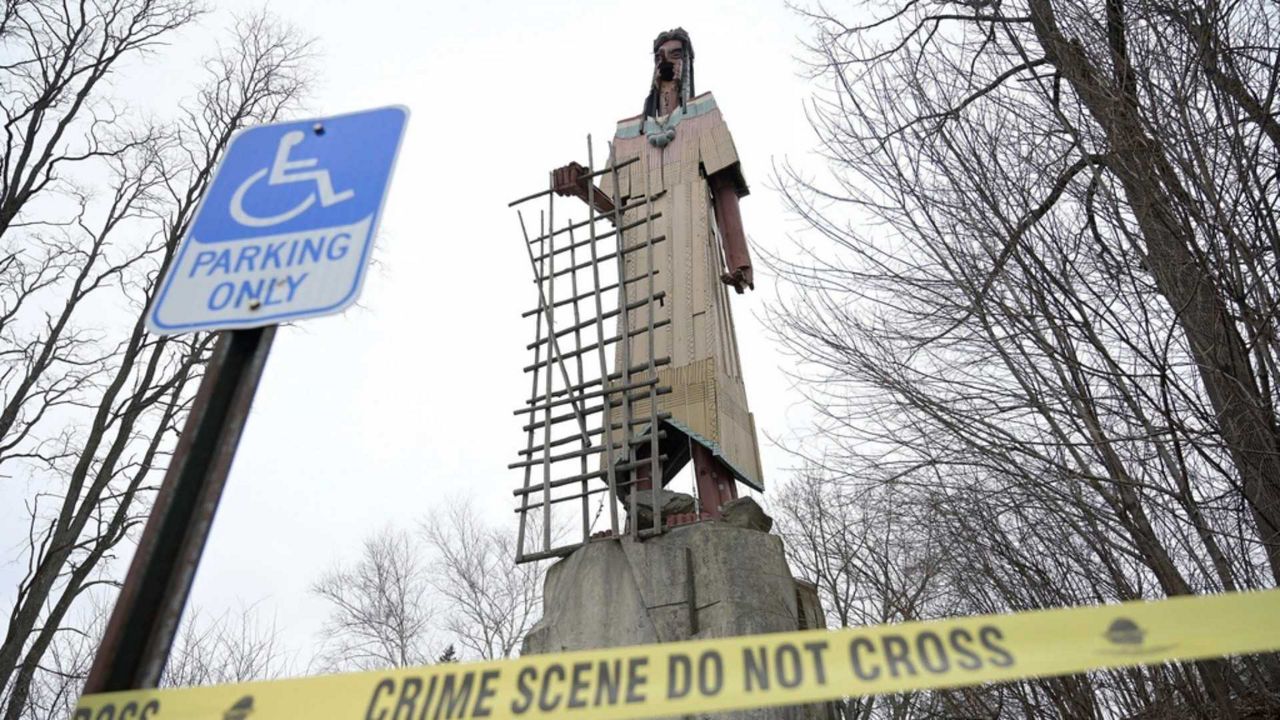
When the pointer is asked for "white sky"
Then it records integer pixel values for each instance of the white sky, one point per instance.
(375, 417)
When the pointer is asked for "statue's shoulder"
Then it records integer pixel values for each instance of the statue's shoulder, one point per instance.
(629, 127)
(706, 100)
(700, 105)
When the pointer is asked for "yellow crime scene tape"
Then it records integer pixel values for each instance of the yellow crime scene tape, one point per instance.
(742, 672)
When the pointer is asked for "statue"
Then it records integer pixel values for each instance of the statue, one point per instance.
(687, 158)
(662, 244)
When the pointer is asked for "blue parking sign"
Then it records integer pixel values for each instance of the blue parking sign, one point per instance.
(285, 230)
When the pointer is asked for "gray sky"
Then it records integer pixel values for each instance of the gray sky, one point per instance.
(376, 416)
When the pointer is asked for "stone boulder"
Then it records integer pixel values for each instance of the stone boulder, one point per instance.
(744, 512)
(670, 503)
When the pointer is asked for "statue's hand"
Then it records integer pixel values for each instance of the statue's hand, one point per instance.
(740, 279)
(573, 179)
(570, 180)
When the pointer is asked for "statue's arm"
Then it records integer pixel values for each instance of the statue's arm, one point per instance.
(724, 195)
(572, 180)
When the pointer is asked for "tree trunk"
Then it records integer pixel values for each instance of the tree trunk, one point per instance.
(1245, 421)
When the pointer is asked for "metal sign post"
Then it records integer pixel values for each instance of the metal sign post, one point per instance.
(284, 233)
(145, 619)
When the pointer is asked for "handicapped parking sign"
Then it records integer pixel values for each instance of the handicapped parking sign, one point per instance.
(286, 227)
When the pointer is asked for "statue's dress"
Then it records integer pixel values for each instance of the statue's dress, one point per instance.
(708, 403)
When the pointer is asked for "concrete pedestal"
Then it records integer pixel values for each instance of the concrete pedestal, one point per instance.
(704, 580)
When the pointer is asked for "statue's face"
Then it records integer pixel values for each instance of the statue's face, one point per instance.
(668, 61)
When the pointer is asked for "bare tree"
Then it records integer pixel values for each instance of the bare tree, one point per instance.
(56, 688)
(235, 646)
(453, 583)
(55, 115)
(872, 561)
(488, 602)
(381, 609)
(90, 213)
(1039, 312)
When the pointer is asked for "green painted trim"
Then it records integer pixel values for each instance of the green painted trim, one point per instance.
(700, 105)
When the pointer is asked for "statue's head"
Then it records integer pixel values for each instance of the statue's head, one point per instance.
(672, 62)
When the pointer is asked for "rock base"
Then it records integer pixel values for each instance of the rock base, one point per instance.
(704, 580)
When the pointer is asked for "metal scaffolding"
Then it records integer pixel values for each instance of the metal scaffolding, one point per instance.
(593, 424)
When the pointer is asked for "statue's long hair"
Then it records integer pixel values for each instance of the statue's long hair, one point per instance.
(684, 83)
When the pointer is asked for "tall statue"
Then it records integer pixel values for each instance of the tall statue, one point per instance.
(688, 160)
(663, 225)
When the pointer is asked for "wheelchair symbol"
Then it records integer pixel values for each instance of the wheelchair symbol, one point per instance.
(284, 171)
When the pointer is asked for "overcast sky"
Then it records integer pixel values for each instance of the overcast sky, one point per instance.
(375, 417)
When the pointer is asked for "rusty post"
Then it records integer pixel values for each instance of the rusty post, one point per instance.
(145, 620)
